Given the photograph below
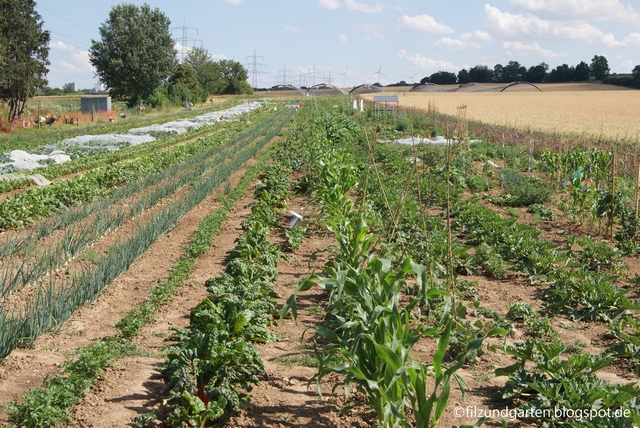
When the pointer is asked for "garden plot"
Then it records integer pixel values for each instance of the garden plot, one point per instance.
(200, 188)
(439, 139)
(86, 145)
(442, 256)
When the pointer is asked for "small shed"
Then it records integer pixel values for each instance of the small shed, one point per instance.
(95, 103)
(385, 104)
(385, 98)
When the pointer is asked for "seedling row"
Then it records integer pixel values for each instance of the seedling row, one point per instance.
(54, 303)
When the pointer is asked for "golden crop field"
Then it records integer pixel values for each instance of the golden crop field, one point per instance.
(588, 110)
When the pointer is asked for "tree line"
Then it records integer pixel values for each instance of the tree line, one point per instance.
(134, 58)
(514, 71)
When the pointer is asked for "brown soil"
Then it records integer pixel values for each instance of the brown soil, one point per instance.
(286, 399)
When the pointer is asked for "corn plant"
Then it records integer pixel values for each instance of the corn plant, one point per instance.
(371, 337)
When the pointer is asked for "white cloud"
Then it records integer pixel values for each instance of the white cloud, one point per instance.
(234, 1)
(343, 38)
(329, 4)
(514, 25)
(291, 29)
(449, 43)
(71, 59)
(533, 49)
(427, 64)
(630, 41)
(424, 23)
(626, 64)
(466, 40)
(218, 57)
(580, 9)
(364, 7)
(480, 36)
(373, 31)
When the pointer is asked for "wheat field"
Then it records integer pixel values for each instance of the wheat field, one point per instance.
(611, 114)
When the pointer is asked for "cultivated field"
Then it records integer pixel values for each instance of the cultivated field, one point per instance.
(584, 109)
(172, 283)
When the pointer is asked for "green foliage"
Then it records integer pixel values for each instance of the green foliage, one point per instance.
(560, 381)
(599, 67)
(478, 183)
(204, 68)
(213, 365)
(192, 412)
(50, 406)
(596, 256)
(492, 261)
(52, 306)
(230, 78)
(516, 244)
(465, 333)
(24, 53)
(543, 212)
(522, 190)
(587, 295)
(537, 325)
(135, 53)
(183, 86)
(130, 325)
(626, 333)
(582, 196)
(295, 237)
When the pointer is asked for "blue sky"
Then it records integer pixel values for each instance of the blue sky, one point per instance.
(349, 41)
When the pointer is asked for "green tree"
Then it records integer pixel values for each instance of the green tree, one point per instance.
(636, 72)
(135, 54)
(499, 75)
(463, 76)
(205, 69)
(443, 78)
(514, 72)
(231, 78)
(480, 74)
(599, 67)
(537, 73)
(562, 73)
(183, 85)
(24, 46)
(582, 72)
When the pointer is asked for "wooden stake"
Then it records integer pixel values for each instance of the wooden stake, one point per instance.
(559, 171)
(613, 188)
(638, 189)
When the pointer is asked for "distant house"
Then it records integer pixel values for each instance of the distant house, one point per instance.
(95, 103)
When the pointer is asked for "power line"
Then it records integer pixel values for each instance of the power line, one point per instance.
(284, 75)
(255, 66)
(66, 19)
(69, 37)
(184, 40)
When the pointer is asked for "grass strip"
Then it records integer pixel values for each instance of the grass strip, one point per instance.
(50, 405)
